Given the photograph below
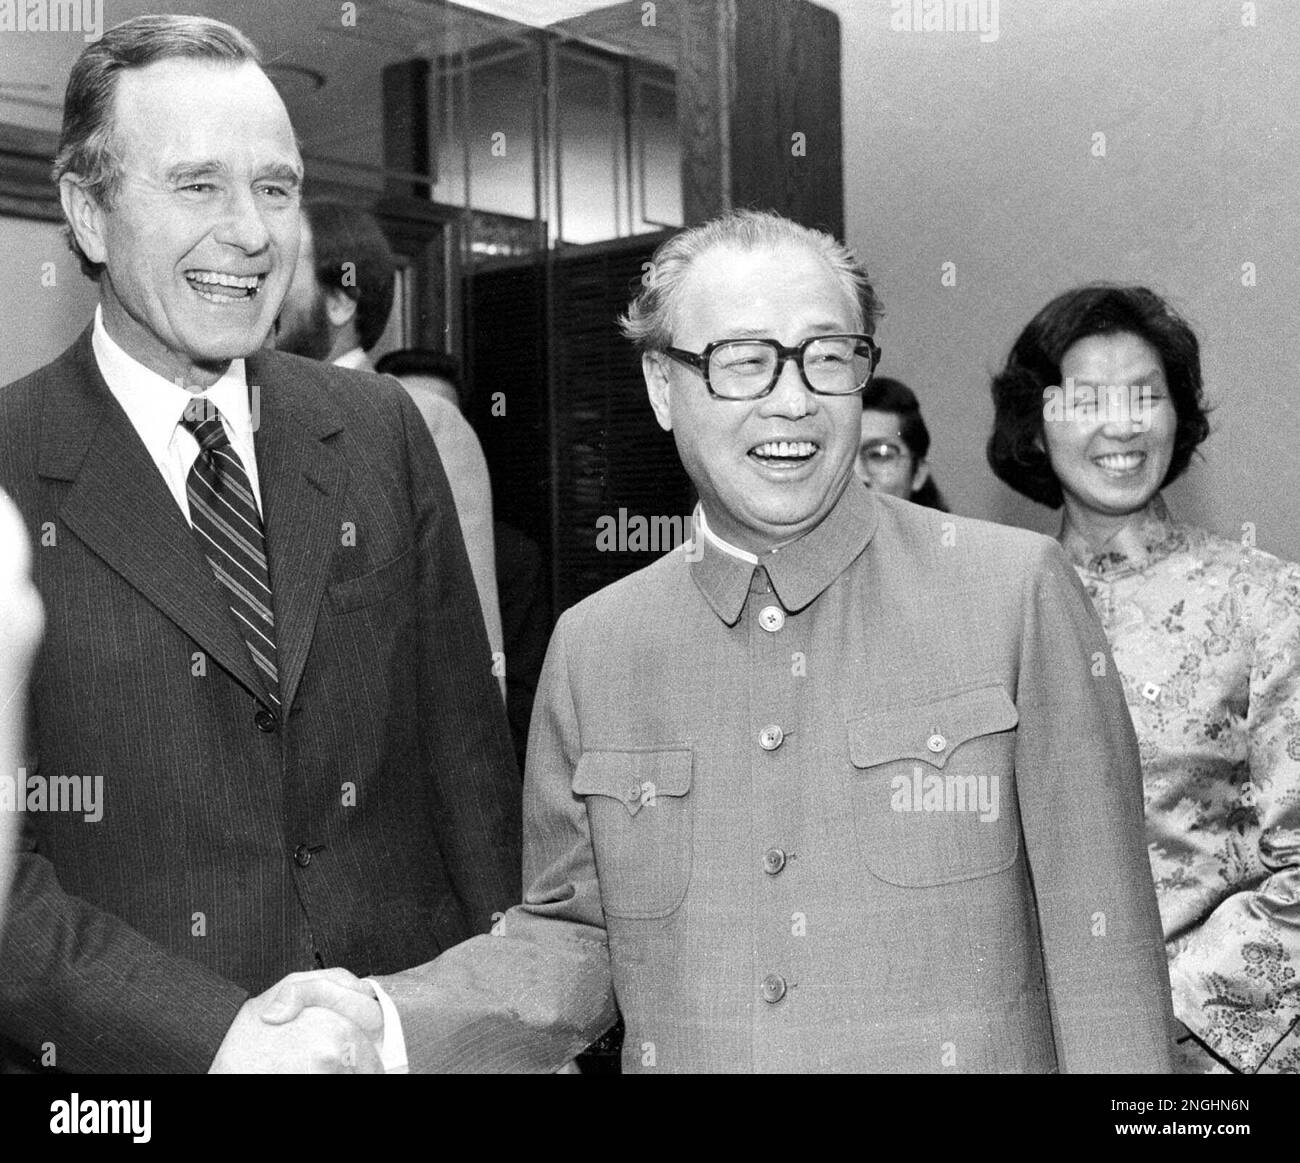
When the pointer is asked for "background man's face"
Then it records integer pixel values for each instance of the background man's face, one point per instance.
(201, 241)
(304, 325)
(753, 495)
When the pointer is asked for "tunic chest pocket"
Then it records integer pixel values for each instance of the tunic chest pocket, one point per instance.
(639, 810)
(934, 797)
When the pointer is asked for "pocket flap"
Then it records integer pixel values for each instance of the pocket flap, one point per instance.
(354, 592)
(634, 778)
(931, 732)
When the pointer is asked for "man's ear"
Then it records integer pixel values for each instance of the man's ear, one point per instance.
(655, 369)
(85, 216)
(340, 307)
(920, 476)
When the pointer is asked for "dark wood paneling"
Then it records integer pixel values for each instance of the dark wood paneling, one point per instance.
(788, 81)
(406, 124)
(26, 191)
(506, 353)
(705, 81)
(578, 441)
(752, 73)
(613, 455)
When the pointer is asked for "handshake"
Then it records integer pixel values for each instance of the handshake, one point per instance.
(324, 1022)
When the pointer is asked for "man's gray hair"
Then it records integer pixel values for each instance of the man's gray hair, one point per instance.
(649, 320)
(87, 146)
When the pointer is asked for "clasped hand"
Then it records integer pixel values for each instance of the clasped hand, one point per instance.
(323, 1022)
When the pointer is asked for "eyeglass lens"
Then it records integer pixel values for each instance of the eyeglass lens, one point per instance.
(746, 367)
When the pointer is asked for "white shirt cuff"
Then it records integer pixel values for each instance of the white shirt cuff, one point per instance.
(393, 1051)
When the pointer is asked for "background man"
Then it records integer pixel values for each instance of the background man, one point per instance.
(851, 788)
(341, 293)
(431, 378)
(336, 310)
(262, 632)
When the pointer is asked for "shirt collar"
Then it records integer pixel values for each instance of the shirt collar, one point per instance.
(718, 542)
(155, 405)
(1139, 544)
(799, 571)
(356, 359)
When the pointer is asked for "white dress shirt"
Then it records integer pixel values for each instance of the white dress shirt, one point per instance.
(155, 407)
(356, 359)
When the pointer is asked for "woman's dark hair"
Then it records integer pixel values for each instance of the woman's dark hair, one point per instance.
(883, 394)
(1016, 449)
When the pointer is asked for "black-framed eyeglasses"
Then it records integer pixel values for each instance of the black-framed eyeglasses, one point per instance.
(746, 369)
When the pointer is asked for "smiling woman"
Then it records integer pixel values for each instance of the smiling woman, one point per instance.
(1205, 632)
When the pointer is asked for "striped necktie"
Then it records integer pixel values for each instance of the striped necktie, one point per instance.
(223, 512)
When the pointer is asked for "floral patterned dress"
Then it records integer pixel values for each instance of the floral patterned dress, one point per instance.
(1206, 636)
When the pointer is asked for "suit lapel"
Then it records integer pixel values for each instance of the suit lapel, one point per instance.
(303, 481)
(121, 508)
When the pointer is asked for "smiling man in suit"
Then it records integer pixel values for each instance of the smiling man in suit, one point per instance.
(848, 786)
(263, 641)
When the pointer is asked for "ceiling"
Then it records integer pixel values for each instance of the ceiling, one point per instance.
(309, 35)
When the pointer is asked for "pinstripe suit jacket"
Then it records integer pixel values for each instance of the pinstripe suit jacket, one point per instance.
(936, 864)
(374, 824)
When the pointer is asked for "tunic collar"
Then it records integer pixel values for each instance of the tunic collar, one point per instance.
(800, 571)
(1135, 547)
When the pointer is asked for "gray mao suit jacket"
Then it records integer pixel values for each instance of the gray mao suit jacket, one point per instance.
(873, 805)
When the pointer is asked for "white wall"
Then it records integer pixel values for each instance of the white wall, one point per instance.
(980, 154)
(40, 320)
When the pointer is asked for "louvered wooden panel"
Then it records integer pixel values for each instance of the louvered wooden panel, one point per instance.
(612, 453)
(507, 353)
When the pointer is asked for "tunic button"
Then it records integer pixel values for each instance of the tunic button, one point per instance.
(773, 861)
(771, 618)
(770, 738)
(773, 988)
(936, 743)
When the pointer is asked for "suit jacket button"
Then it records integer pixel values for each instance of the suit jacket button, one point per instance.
(770, 738)
(773, 988)
(773, 861)
(302, 856)
(266, 720)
